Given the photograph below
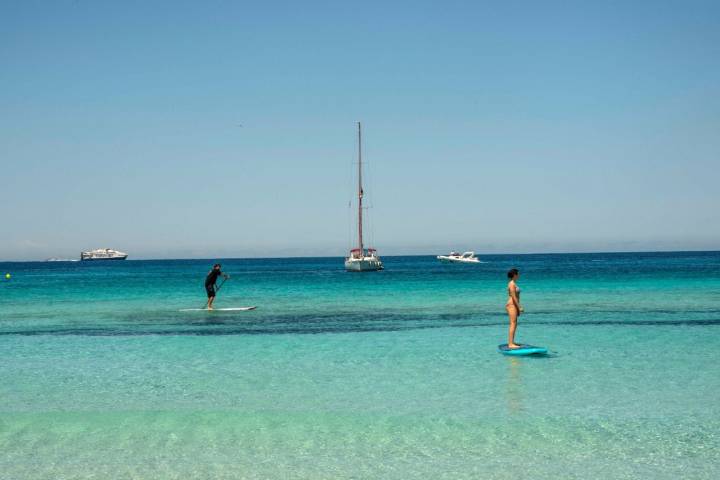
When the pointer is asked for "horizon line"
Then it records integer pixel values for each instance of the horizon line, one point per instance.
(141, 259)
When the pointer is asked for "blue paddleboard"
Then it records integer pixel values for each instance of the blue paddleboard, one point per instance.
(523, 350)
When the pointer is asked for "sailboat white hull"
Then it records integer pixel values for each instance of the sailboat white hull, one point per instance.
(365, 264)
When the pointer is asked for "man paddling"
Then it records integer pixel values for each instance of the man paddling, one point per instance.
(210, 283)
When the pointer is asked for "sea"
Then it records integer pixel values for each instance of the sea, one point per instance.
(345, 375)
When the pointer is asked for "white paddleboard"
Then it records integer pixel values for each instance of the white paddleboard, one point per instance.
(231, 309)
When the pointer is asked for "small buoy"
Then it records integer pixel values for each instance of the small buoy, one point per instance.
(7, 275)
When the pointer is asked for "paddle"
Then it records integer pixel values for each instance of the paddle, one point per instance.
(216, 290)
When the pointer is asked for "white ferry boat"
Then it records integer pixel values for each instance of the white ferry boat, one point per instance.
(103, 254)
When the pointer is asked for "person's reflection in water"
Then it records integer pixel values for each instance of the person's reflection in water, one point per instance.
(513, 387)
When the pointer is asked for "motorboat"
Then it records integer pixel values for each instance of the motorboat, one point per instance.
(455, 257)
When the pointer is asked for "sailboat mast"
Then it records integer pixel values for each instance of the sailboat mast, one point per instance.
(360, 193)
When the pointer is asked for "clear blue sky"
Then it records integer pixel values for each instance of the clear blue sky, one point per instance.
(214, 129)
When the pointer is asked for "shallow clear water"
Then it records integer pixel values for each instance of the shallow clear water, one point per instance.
(392, 374)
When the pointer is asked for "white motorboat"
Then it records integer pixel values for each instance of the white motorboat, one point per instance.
(455, 257)
(361, 259)
(103, 254)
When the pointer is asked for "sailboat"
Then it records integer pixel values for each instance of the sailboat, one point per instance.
(360, 259)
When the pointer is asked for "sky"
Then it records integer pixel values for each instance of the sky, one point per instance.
(228, 129)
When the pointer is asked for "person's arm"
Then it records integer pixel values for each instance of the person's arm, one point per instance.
(515, 299)
(225, 275)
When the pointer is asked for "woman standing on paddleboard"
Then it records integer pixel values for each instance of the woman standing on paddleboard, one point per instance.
(513, 305)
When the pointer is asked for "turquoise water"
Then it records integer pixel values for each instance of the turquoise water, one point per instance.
(380, 375)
